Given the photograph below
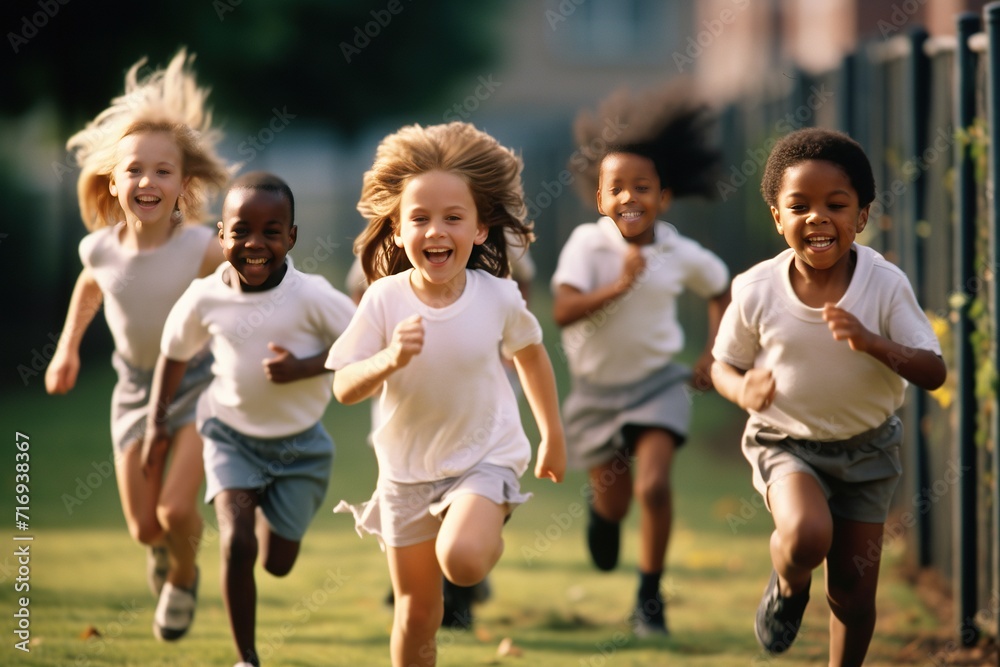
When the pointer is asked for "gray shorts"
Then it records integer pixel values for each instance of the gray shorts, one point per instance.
(400, 515)
(858, 475)
(130, 399)
(291, 474)
(596, 418)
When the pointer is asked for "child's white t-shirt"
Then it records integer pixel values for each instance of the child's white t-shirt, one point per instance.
(638, 333)
(825, 390)
(140, 286)
(452, 406)
(303, 314)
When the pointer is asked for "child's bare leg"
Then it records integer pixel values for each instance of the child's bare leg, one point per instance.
(277, 553)
(803, 530)
(851, 581)
(418, 607)
(138, 496)
(611, 494)
(177, 507)
(611, 487)
(654, 454)
(470, 541)
(235, 509)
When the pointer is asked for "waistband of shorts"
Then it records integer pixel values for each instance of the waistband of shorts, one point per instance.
(833, 447)
(145, 376)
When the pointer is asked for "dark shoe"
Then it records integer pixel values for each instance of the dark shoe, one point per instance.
(649, 618)
(603, 541)
(778, 618)
(457, 606)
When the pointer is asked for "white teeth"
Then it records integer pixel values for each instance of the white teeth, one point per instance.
(631, 215)
(148, 199)
(256, 260)
(820, 242)
(437, 251)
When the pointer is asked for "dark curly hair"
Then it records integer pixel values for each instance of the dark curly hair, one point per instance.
(668, 125)
(815, 143)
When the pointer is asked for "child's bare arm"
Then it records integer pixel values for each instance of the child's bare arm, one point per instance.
(571, 304)
(702, 371)
(156, 444)
(751, 390)
(61, 374)
(921, 367)
(286, 367)
(356, 382)
(534, 368)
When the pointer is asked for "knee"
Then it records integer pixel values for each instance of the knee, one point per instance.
(853, 606)
(239, 546)
(419, 618)
(145, 531)
(277, 567)
(654, 493)
(172, 514)
(806, 544)
(467, 564)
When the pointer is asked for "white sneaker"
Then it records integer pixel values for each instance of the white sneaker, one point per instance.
(174, 611)
(157, 566)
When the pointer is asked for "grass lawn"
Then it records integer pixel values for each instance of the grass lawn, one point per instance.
(89, 604)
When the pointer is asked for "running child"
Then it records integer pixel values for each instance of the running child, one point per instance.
(449, 443)
(616, 287)
(270, 326)
(148, 164)
(818, 346)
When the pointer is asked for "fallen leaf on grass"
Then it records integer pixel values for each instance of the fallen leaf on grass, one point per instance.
(89, 632)
(507, 649)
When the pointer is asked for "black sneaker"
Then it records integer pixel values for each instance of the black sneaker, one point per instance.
(649, 618)
(778, 618)
(457, 606)
(603, 541)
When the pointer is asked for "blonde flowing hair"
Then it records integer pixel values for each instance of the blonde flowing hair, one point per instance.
(492, 172)
(167, 100)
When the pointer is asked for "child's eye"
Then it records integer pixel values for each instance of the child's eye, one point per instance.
(615, 191)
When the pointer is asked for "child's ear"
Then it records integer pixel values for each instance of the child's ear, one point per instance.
(776, 214)
(112, 188)
(482, 231)
(863, 218)
(220, 227)
(600, 208)
(666, 197)
(293, 235)
(396, 238)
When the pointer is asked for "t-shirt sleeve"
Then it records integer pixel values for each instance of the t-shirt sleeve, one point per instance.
(907, 324)
(184, 333)
(707, 275)
(363, 336)
(334, 310)
(521, 327)
(573, 267)
(736, 342)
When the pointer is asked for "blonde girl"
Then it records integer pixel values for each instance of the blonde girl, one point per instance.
(147, 166)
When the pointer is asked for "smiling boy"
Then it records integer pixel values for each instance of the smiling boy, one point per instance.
(270, 327)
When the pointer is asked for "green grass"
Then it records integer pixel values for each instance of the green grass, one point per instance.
(86, 573)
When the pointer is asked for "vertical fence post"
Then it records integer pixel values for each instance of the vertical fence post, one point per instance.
(916, 101)
(965, 523)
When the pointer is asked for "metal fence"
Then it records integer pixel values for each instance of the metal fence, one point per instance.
(924, 109)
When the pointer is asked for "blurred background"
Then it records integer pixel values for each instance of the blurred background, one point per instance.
(306, 88)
